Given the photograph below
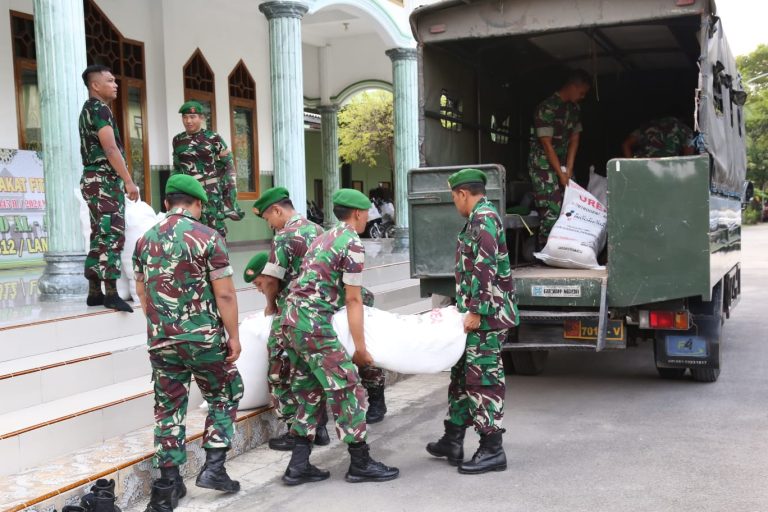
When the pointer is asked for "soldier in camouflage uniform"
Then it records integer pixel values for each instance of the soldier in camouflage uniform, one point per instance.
(104, 185)
(204, 155)
(294, 234)
(485, 292)
(330, 278)
(183, 279)
(659, 138)
(553, 150)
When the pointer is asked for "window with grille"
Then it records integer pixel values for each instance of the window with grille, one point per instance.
(242, 110)
(199, 85)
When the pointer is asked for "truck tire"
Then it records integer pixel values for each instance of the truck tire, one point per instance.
(709, 318)
(705, 374)
(671, 373)
(528, 362)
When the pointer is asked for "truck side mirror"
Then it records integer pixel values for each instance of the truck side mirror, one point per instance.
(739, 97)
(748, 192)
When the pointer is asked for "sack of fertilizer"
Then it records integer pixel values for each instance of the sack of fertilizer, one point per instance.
(427, 343)
(579, 234)
(598, 186)
(139, 217)
(253, 363)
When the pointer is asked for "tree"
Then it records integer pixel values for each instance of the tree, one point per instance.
(366, 129)
(754, 72)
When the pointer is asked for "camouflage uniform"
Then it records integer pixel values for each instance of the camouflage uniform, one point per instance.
(177, 259)
(321, 365)
(663, 137)
(557, 119)
(484, 286)
(288, 249)
(103, 191)
(200, 156)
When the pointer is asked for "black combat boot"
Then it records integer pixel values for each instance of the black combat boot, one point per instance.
(102, 484)
(299, 470)
(179, 489)
(95, 295)
(162, 496)
(377, 408)
(451, 445)
(104, 501)
(489, 456)
(362, 468)
(112, 300)
(321, 432)
(283, 443)
(214, 475)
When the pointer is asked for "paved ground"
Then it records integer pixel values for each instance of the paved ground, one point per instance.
(595, 432)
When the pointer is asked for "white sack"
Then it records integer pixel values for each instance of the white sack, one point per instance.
(579, 233)
(598, 186)
(253, 362)
(426, 343)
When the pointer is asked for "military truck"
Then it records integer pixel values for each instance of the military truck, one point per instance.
(672, 273)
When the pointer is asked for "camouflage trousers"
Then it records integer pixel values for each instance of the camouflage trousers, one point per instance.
(104, 194)
(213, 211)
(219, 382)
(548, 194)
(476, 392)
(232, 209)
(321, 367)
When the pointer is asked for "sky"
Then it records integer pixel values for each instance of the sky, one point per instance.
(744, 22)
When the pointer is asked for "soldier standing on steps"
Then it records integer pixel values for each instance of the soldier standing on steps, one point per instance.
(104, 185)
(331, 277)
(485, 292)
(183, 279)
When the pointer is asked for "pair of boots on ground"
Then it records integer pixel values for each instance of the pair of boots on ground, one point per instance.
(110, 299)
(169, 488)
(377, 408)
(489, 456)
(101, 498)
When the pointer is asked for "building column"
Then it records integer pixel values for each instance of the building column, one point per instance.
(61, 58)
(406, 120)
(287, 97)
(329, 150)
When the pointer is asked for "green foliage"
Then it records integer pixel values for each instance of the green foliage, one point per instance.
(366, 129)
(750, 216)
(754, 71)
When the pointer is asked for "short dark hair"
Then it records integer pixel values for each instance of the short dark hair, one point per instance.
(285, 203)
(178, 198)
(342, 212)
(475, 189)
(578, 77)
(94, 68)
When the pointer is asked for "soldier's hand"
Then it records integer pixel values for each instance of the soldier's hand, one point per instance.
(362, 359)
(471, 322)
(233, 349)
(132, 191)
(564, 180)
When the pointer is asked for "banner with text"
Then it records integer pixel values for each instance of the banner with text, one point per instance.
(23, 235)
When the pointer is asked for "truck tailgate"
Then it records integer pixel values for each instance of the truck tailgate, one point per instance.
(547, 286)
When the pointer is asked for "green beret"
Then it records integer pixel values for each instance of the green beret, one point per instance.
(465, 176)
(255, 266)
(351, 198)
(268, 198)
(191, 107)
(186, 184)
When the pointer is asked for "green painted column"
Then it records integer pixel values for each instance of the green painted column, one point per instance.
(287, 97)
(406, 120)
(329, 150)
(61, 58)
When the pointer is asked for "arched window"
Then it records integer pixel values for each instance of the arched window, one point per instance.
(199, 85)
(242, 112)
(25, 74)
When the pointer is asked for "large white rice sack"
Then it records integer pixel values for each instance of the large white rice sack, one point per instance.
(598, 186)
(426, 343)
(253, 362)
(579, 233)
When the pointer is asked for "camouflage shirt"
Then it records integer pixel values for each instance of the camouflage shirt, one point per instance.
(667, 136)
(95, 116)
(200, 155)
(335, 259)
(483, 274)
(177, 259)
(557, 119)
(288, 249)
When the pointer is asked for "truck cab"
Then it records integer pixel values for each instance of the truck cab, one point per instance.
(672, 272)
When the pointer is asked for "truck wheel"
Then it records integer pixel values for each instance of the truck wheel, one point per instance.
(528, 362)
(705, 374)
(671, 373)
(710, 319)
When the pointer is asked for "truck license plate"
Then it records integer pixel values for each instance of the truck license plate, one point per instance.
(686, 346)
(587, 329)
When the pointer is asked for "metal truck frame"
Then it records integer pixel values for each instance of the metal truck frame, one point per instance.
(674, 224)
